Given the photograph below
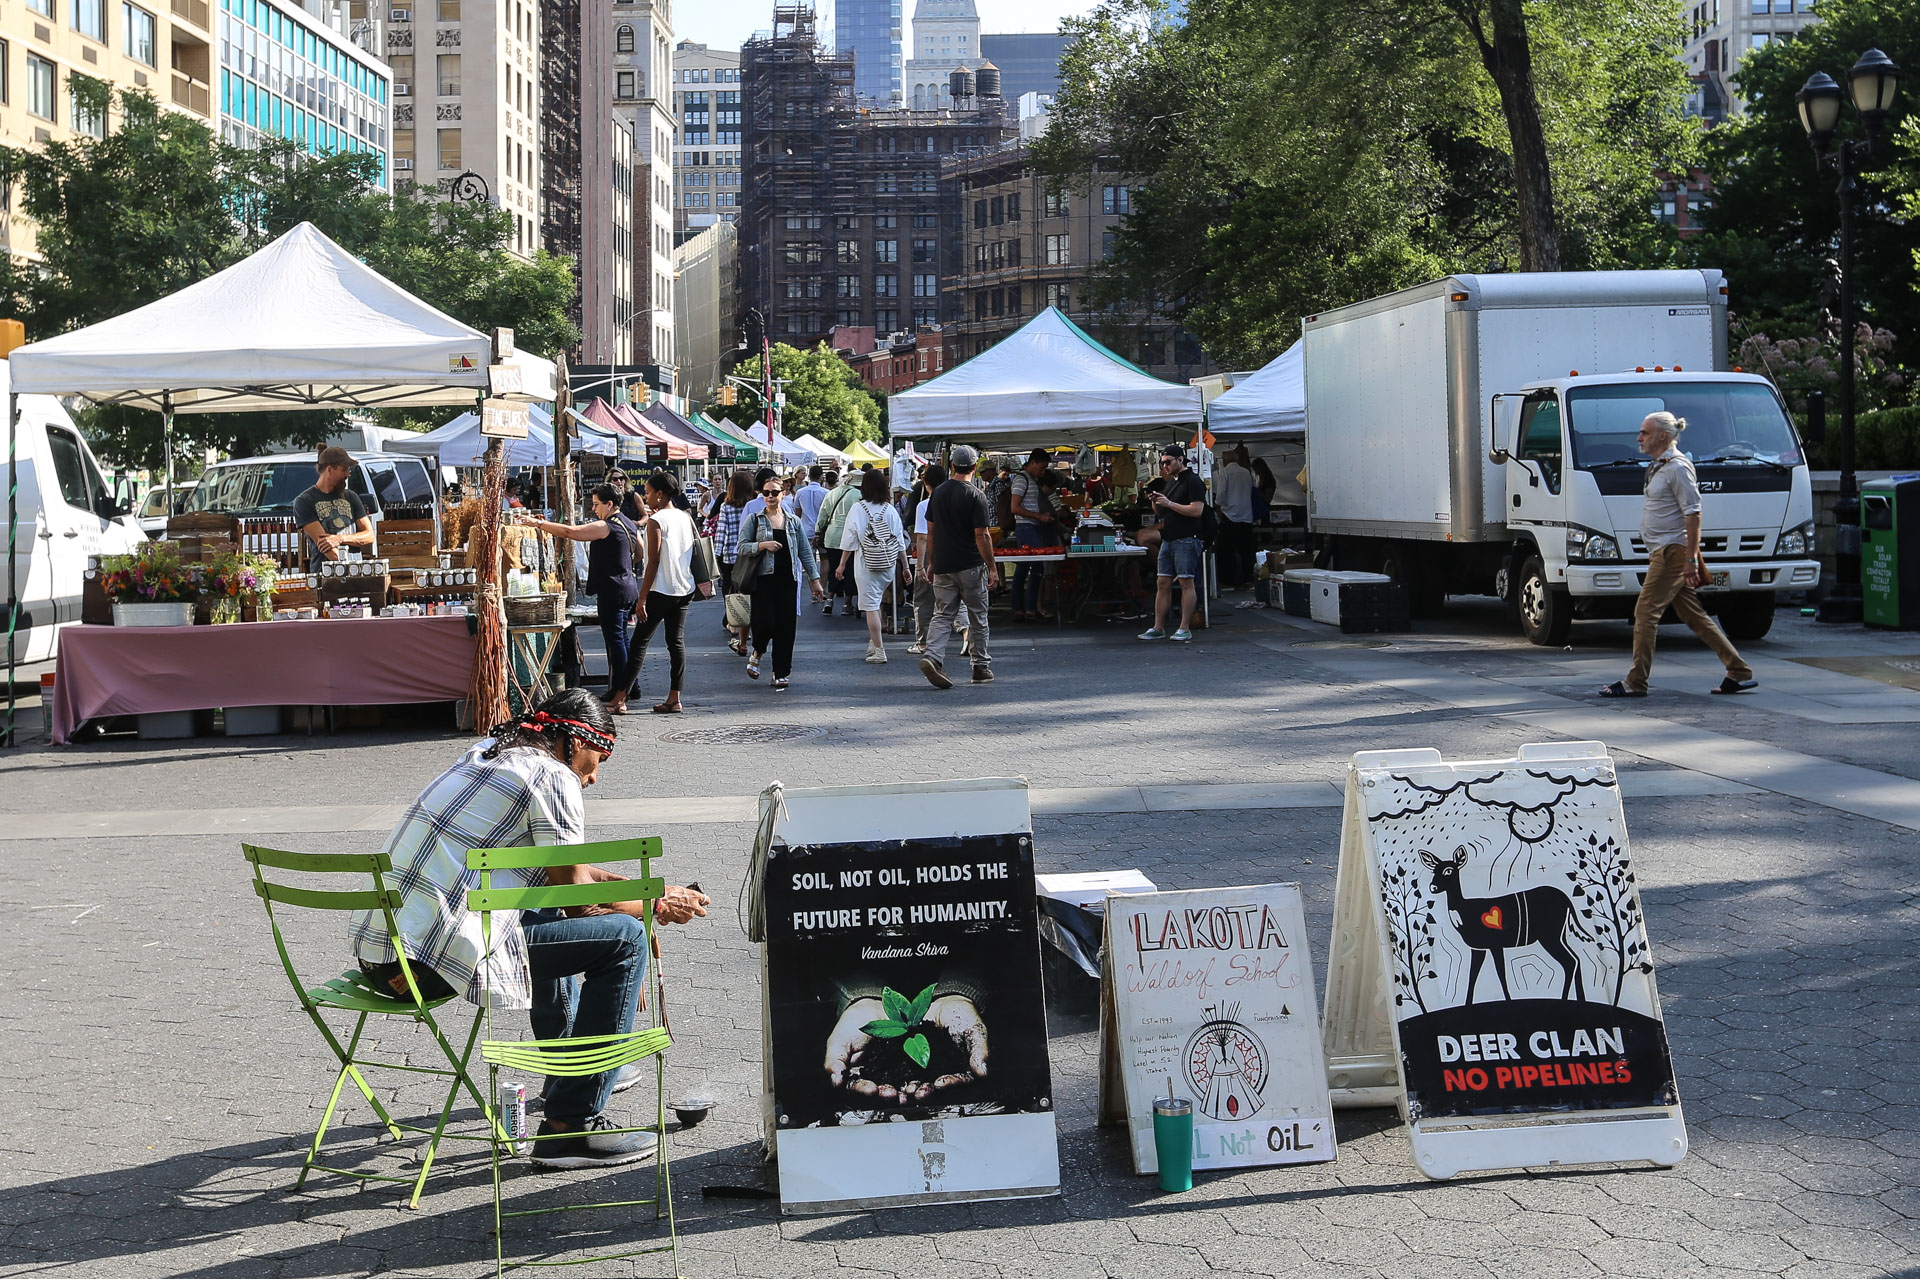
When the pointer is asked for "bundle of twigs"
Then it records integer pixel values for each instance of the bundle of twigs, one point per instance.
(488, 695)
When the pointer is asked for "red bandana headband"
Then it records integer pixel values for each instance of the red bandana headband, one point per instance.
(593, 737)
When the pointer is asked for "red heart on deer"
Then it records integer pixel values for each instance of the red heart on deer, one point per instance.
(1491, 918)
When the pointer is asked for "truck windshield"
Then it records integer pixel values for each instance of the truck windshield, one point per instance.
(1727, 423)
(262, 488)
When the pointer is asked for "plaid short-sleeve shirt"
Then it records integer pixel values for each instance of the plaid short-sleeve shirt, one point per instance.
(524, 798)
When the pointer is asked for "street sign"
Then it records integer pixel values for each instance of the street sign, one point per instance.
(904, 1029)
(503, 420)
(1213, 989)
(1490, 969)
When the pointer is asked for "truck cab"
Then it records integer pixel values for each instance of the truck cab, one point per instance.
(1574, 477)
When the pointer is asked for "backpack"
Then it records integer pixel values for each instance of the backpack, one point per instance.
(879, 547)
(1209, 526)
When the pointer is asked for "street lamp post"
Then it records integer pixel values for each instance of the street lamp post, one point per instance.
(1873, 84)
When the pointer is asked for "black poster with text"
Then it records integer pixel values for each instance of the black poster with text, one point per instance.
(904, 981)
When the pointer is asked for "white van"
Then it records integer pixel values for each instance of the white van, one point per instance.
(66, 515)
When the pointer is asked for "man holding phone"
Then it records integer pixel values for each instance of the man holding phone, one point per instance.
(1180, 507)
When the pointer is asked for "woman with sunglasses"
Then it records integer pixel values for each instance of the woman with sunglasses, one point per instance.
(775, 535)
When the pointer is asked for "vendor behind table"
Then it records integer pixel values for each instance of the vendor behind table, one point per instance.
(331, 515)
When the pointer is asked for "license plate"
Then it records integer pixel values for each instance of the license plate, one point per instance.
(1717, 582)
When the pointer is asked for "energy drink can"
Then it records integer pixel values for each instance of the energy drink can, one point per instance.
(513, 1113)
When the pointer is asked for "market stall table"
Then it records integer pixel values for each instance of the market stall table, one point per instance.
(1062, 556)
(145, 670)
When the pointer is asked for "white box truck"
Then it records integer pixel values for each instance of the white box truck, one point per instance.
(1476, 436)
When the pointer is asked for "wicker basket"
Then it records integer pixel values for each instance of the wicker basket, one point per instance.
(536, 610)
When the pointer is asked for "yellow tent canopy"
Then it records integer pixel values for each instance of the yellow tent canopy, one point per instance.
(860, 451)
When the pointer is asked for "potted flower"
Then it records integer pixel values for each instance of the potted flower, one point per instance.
(237, 576)
(151, 587)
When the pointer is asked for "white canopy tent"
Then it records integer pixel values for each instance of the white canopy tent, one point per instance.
(459, 442)
(1046, 383)
(1273, 402)
(822, 451)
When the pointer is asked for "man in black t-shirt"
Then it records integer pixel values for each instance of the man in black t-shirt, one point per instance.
(1180, 508)
(960, 551)
(330, 514)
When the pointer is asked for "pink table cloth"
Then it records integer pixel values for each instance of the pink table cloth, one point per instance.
(139, 670)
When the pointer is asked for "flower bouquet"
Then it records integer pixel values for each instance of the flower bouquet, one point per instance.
(151, 587)
(235, 576)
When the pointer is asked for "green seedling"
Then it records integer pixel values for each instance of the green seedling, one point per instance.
(903, 1015)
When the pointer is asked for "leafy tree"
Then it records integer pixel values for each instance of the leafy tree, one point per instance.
(825, 397)
(160, 203)
(1303, 156)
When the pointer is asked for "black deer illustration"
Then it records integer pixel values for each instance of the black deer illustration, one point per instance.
(1494, 925)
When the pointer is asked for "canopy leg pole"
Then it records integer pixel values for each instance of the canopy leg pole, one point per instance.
(487, 694)
(13, 565)
(563, 460)
(166, 439)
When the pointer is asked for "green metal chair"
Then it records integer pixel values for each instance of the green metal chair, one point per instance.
(351, 993)
(581, 1055)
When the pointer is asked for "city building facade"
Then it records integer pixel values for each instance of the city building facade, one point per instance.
(703, 315)
(316, 76)
(869, 31)
(946, 38)
(1026, 248)
(1721, 32)
(890, 363)
(468, 102)
(847, 221)
(643, 94)
(706, 154)
(1028, 63)
(607, 205)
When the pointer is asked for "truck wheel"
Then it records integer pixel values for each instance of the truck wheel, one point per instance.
(1748, 615)
(1546, 613)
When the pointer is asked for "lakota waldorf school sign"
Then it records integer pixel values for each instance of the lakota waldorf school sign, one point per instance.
(1213, 989)
(1512, 956)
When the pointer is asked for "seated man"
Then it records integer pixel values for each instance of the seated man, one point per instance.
(522, 787)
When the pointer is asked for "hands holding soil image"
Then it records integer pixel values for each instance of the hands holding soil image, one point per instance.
(896, 1050)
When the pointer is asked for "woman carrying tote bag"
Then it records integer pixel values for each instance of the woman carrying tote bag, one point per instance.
(876, 546)
(783, 569)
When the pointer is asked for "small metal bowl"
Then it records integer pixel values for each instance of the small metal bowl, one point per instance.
(691, 1110)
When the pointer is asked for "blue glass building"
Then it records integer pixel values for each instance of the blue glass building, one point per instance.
(872, 31)
(285, 73)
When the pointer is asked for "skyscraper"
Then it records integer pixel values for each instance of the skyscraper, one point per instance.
(871, 31)
(1028, 63)
(946, 37)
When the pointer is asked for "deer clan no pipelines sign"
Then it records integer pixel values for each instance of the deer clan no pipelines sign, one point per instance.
(1488, 932)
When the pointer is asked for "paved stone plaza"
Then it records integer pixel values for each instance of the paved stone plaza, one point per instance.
(164, 1081)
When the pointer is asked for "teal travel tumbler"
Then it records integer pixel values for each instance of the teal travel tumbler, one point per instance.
(1173, 1142)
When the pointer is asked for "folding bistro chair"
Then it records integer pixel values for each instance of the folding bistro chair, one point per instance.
(351, 993)
(580, 1055)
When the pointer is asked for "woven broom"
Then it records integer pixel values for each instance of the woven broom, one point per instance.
(488, 694)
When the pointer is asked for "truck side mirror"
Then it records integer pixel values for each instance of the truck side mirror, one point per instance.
(1816, 417)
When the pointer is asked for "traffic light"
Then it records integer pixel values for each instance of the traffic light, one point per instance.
(728, 396)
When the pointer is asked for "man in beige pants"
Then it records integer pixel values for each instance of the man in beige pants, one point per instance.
(1670, 527)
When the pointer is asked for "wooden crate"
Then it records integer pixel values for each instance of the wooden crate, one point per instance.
(373, 589)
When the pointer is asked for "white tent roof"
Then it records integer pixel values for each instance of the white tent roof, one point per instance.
(300, 324)
(822, 450)
(1271, 402)
(1048, 382)
(459, 442)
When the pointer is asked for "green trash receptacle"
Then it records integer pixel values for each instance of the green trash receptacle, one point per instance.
(1890, 552)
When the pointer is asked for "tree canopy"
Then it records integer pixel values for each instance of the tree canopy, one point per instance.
(1301, 156)
(159, 203)
(825, 398)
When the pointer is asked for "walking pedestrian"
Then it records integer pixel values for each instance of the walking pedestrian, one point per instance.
(1670, 528)
(833, 523)
(875, 545)
(1180, 508)
(784, 568)
(667, 587)
(960, 534)
(930, 479)
(726, 543)
(808, 498)
(611, 540)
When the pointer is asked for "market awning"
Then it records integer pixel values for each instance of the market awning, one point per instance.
(300, 324)
(1046, 382)
(699, 447)
(862, 451)
(678, 450)
(1271, 402)
(822, 450)
(459, 442)
(743, 450)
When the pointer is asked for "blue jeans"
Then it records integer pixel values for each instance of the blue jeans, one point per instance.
(614, 613)
(1026, 577)
(1180, 557)
(609, 952)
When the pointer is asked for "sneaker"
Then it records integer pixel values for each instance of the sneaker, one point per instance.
(935, 676)
(983, 674)
(916, 648)
(1153, 632)
(780, 685)
(592, 1147)
(1182, 635)
(878, 656)
(828, 610)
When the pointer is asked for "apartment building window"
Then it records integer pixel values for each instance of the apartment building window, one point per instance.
(847, 286)
(624, 84)
(886, 184)
(848, 318)
(846, 221)
(886, 250)
(979, 258)
(40, 89)
(979, 213)
(1013, 253)
(139, 40)
(42, 7)
(999, 254)
(447, 72)
(847, 251)
(885, 221)
(923, 316)
(623, 39)
(926, 286)
(926, 250)
(1059, 295)
(886, 286)
(799, 222)
(1057, 251)
(925, 221)
(1055, 205)
(90, 18)
(980, 305)
(6, 96)
(91, 121)
(999, 215)
(1116, 200)
(886, 320)
(450, 149)
(1013, 300)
